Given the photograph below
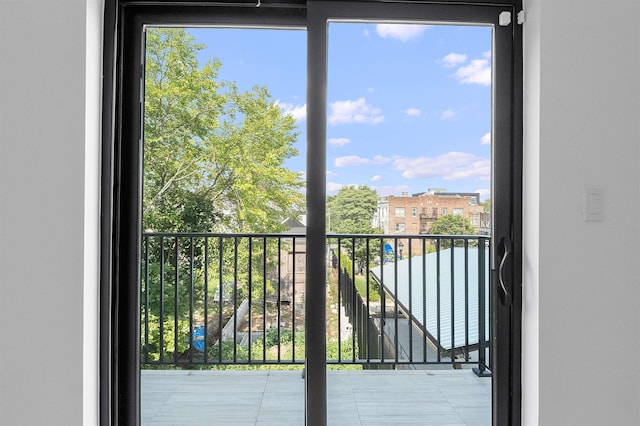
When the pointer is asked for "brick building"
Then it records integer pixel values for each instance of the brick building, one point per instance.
(416, 213)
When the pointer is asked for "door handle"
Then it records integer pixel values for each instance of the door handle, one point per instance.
(507, 297)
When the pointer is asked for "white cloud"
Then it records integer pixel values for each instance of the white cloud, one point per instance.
(357, 111)
(376, 178)
(486, 139)
(380, 159)
(403, 32)
(298, 112)
(453, 60)
(413, 112)
(448, 115)
(484, 193)
(477, 72)
(354, 160)
(392, 190)
(330, 174)
(334, 186)
(339, 141)
(453, 165)
(350, 160)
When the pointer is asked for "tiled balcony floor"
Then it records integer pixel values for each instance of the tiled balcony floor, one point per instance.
(260, 398)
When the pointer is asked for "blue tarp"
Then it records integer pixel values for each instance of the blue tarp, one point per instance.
(198, 338)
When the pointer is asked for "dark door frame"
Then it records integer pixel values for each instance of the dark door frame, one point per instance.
(121, 180)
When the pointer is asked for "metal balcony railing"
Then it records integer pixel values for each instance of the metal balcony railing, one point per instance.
(392, 300)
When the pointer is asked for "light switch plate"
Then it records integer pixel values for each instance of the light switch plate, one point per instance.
(593, 204)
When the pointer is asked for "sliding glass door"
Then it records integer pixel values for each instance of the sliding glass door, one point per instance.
(372, 223)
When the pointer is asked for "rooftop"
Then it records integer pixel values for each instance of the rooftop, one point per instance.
(438, 290)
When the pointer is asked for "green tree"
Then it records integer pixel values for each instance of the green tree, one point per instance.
(214, 161)
(213, 155)
(350, 211)
(450, 224)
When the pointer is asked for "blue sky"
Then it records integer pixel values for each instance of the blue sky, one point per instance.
(409, 106)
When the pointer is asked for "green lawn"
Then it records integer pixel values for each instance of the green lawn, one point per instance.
(361, 286)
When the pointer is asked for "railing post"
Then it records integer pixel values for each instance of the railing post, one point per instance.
(354, 299)
(146, 299)
(176, 300)
(481, 370)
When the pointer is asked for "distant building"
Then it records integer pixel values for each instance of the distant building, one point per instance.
(292, 260)
(381, 216)
(295, 226)
(416, 213)
(481, 222)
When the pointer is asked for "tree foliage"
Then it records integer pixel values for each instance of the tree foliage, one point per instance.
(214, 161)
(350, 211)
(213, 154)
(450, 224)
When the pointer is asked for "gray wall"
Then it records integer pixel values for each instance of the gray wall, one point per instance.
(582, 289)
(42, 100)
(581, 280)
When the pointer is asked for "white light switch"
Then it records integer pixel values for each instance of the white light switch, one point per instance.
(593, 204)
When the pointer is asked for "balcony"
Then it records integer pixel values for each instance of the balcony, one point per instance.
(218, 309)
(365, 397)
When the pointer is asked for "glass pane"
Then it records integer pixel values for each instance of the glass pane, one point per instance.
(223, 282)
(409, 190)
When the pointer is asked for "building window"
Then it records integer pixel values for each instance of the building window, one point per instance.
(399, 211)
(400, 227)
(458, 212)
(414, 211)
(444, 211)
